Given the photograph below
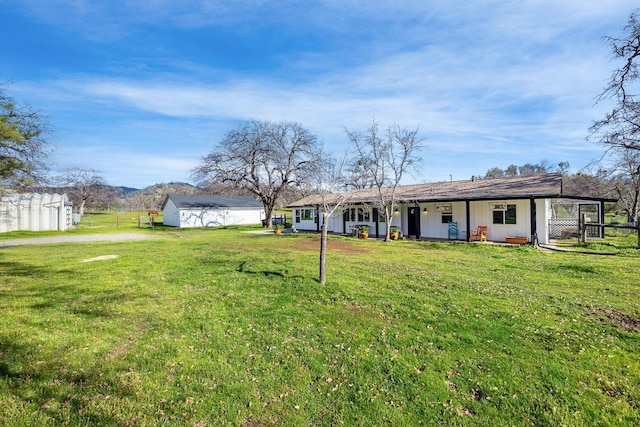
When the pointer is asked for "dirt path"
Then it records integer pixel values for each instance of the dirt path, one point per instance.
(73, 238)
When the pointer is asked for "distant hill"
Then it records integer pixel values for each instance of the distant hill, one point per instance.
(152, 197)
(123, 190)
(168, 187)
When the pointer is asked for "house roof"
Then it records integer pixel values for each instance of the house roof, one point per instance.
(210, 201)
(530, 186)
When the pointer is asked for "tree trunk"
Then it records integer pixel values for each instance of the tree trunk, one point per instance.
(268, 212)
(633, 212)
(323, 250)
(388, 211)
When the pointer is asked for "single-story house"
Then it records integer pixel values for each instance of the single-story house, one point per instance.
(531, 207)
(35, 212)
(204, 210)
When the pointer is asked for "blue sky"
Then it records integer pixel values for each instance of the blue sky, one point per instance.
(141, 91)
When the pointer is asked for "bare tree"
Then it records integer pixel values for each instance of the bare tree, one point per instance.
(626, 182)
(591, 182)
(356, 175)
(84, 186)
(620, 128)
(24, 148)
(386, 157)
(329, 190)
(621, 181)
(263, 158)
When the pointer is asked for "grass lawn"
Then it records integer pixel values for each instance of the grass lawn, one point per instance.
(221, 327)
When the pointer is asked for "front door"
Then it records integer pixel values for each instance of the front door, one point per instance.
(413, 227)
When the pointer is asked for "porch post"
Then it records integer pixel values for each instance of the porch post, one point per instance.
(344, 221)
(534, 225)
(466, 203)
(376, 217)
(601, 218)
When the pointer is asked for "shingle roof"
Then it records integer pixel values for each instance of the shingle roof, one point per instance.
(202, 201)
(542, 185)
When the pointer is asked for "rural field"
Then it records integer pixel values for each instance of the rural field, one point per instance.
(226, 327)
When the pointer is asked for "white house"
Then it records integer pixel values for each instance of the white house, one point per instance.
(532, 207)
(201, 210)
(35, 212)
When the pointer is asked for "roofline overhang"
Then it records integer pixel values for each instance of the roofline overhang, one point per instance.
(473, 199)
(503, 197)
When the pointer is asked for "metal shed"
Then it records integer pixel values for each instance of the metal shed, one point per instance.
(35, 212)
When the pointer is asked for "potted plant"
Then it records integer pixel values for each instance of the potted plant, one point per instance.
(394, 233)
(364, 232)
(277, 228)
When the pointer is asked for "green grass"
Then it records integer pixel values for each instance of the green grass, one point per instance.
(615, 242)
(96, 222)
(220, 327)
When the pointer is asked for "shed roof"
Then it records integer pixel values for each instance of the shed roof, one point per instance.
(210, 201)
(40, 198)
(530, 186)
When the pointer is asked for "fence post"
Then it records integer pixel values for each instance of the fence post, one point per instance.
(638, 230)
(583, 228)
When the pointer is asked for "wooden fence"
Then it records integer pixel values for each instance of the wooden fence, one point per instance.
(586, 226)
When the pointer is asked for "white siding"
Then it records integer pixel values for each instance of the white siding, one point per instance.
(34, 212)
(482, 214)
(431, 225)
(218, 217)
(335, 222)
(543, 213)
(171, 214)
(307, 224)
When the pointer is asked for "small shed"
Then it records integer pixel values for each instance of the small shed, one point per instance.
(205, 210)
(35, 212)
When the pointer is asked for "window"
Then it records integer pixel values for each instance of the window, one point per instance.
(306, 214)
(447, 218)
(359, 214)
(298, 215)
(363, 215)
(506, 215)
(498, 217)
(510, 215)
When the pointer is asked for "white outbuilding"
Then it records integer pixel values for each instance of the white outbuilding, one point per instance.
(202, 210)
(35, 212)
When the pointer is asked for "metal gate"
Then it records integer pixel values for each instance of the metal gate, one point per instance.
(591, 213)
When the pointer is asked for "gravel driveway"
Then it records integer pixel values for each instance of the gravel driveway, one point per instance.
(74, 238)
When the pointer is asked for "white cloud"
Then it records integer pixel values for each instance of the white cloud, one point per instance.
(499, 81)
